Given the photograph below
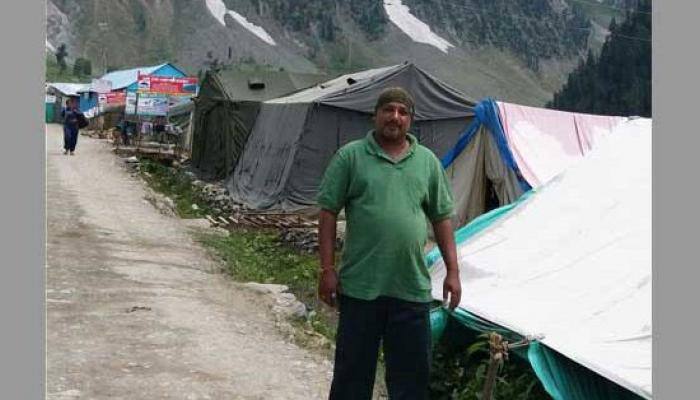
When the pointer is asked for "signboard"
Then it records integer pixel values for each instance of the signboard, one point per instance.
(116, 98)
(154, 104)
(176, 100)
(130, 103)
(157, 94)
(101, 86)
(167, 85)
(50, 98)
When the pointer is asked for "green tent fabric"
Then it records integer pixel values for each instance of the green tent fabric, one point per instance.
(225, 111)
(221, 128)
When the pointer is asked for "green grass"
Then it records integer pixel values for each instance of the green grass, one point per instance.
(176, 185)
(259, 256)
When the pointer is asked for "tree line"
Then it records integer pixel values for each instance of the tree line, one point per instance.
(618, 81)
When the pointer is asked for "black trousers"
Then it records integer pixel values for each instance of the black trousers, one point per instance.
(402, 327)
(70, 138)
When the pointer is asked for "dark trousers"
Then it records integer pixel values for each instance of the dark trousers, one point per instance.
(70, 138)
(402, 327)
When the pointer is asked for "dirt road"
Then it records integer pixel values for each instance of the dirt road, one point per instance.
(136, 309)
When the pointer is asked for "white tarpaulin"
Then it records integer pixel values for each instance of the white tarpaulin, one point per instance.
(545, 142)
(573, 262)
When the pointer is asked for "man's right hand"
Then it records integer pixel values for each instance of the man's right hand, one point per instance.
(328, 287)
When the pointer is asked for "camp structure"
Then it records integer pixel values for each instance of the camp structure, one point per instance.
(510, 148)
(569, 266)
(294, 137)
(127, 79)
(59, 93)
(225, 111)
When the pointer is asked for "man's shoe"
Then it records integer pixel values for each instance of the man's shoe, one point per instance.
(71, 153)
(65, 151)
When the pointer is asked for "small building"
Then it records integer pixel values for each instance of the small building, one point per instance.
(126, 80)
(59, 93)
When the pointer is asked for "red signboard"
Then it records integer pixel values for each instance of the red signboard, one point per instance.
(115, 98)
(166, 85)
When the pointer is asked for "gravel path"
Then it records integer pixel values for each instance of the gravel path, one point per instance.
(136, 309)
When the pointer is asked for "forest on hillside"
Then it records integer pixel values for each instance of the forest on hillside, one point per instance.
(618, 81)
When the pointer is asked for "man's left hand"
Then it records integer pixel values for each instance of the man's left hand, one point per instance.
(452, 287)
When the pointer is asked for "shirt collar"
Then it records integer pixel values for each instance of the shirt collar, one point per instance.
(374, 148)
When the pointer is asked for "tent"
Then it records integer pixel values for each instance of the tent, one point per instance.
(294, 137)
(570, 262)
(510, 148)
(225, 112)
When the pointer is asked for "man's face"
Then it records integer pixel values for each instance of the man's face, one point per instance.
(392, 121)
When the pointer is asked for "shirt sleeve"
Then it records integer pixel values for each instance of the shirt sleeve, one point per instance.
(440, 203)
(332, 193)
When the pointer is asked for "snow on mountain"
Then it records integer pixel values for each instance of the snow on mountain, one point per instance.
(218, 10)
(416, 29)
(256, 30)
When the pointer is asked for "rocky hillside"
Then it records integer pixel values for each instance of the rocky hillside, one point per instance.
(514, 50)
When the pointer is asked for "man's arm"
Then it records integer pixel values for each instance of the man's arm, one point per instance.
(328, 287)
(446, 242)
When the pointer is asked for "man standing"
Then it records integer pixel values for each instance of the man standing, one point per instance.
(388, 184)
(71, 115)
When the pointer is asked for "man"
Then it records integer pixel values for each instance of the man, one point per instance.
(388, 184)
(71, 114)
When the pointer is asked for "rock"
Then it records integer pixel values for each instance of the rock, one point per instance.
(131, 160)
(200, 223)
(169, 202)
(195, 207)
(267, 287)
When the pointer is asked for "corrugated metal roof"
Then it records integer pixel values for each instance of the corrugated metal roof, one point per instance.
(124, 78)
(332, 86)
(70, 89)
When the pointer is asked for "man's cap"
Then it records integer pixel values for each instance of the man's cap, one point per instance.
(397, 95)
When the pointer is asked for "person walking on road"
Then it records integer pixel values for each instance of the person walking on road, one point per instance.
(72, 119)
(388, 184)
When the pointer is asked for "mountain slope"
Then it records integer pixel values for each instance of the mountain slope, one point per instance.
(515, 50)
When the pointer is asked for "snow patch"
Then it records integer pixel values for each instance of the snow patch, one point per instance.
(416, 29)
(218, 9)
(256, 30)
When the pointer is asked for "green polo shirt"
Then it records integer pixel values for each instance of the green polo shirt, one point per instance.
(386, 204)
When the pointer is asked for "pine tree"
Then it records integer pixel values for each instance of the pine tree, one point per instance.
(619, 81)
(61, 55)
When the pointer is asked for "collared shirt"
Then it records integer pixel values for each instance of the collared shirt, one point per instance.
(386, 203)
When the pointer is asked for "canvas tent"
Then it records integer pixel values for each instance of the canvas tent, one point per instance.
(225, 112)
(571, 262)
(294, 137)
(510, 148)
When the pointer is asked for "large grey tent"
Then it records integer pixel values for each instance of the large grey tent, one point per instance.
(225, 110)
(294, 137)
